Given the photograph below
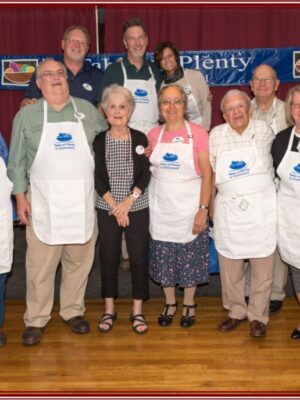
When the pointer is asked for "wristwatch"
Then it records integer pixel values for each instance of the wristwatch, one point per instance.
(135, 195)
(203, 207)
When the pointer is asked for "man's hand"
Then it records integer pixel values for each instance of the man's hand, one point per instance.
(26, 102)
(23, 208)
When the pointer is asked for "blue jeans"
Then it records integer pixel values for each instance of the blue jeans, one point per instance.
(2, 289)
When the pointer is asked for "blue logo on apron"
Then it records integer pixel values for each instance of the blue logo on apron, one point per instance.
(237, 165)
(297, 168)
(170, 157)
(64, 137)
(141, 93)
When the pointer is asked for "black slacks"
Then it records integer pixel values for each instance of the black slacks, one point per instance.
(137, 241)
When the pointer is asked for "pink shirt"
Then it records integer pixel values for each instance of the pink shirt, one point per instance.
(200, 140)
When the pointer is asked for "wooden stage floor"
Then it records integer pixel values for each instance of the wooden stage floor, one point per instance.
(171, 360)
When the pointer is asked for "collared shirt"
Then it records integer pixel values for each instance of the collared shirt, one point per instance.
(27, 131)
(85, 84)
(224, 138)
(275, 113)
(114, 73)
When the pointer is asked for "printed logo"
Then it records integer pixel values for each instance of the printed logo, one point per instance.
(64, 141)
(64, 137)
(237, 165)
(170, 157)
(297, 168)
(140, 93)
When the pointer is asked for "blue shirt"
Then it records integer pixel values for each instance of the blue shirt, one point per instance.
(85, 84)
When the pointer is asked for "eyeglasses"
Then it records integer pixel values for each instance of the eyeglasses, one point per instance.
(295, 105)
(263, 80)
(73, 42)
(168, 102)
(60, 73)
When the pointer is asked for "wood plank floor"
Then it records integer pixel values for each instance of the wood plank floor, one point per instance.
(172, 359)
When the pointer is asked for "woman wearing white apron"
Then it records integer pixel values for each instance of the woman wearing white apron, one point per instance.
(286, 157)
(6, 236)
(244, 212)
(166, 57)
(179, 193)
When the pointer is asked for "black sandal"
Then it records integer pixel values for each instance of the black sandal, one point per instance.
(140, 318)
(187, 320)
(103, 320)
(166, 319)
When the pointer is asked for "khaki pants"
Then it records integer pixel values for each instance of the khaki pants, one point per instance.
(41, 264)
(233, 287)
(279, 279)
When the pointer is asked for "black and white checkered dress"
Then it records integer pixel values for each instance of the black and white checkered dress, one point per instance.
(119, 162)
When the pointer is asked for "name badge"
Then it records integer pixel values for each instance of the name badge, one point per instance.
(140, 150)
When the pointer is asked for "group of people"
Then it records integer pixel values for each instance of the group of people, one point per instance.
(138, 137)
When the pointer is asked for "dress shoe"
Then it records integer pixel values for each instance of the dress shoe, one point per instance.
(32, 335)
(78, 324)
(295, 334)
(229, 324)
(257, 329)
(3, 337)
(188, 320)
(275, 307)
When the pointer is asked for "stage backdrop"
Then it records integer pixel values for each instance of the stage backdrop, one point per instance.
(36, 30)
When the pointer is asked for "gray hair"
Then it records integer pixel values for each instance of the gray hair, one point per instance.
(39, 67)
(183, 95)
(132, 22)
(235, 92)
(288, 103)
(80, 28)
(264, 65)
(117, 90)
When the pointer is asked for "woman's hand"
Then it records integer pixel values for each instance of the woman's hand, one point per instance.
(124, 207)
(200, 221)
(148, 151)
(123, 220)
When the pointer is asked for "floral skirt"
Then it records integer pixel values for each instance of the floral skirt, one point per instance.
(183, 264)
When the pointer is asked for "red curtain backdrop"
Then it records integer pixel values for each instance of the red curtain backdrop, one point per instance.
(209, 27)
(36, 30)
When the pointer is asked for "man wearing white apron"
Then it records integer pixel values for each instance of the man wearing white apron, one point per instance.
(139, 75)
(6, 233)
(244, 212)
(267, 107)
(52, 169)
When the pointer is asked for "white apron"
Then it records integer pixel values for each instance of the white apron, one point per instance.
(62, 184)
(245, 206)
(174, 191)
(288, 206)
(145, 115)
(6, 221)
